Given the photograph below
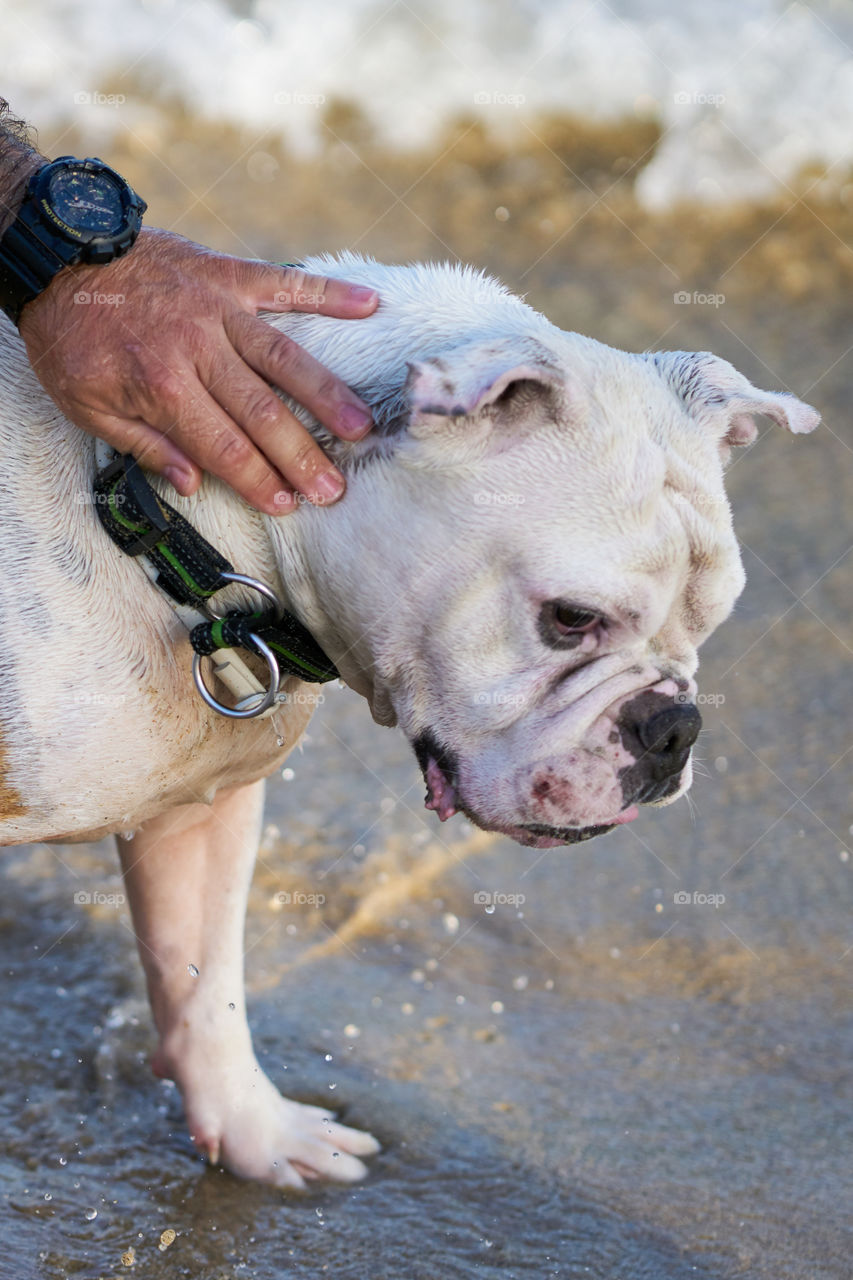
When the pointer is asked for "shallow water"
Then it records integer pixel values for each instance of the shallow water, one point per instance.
(599, 1080)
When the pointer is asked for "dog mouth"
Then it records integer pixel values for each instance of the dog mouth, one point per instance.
(537, 835)
(439, 766)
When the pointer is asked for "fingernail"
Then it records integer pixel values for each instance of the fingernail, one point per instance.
(284, 502)
(327, 487)
(178, 477)
(353, 419)
(361, 293)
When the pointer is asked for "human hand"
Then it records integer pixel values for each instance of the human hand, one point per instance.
(177, 373)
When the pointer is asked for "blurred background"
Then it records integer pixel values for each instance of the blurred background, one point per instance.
(632, 1059)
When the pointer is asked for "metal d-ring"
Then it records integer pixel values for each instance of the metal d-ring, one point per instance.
(241, 711)
(235, 713)
(261, 588)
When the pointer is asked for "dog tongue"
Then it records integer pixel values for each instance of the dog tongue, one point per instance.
(627, 815)
(441, 795)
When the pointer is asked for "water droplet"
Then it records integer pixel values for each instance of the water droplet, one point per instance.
(48, 1196)
(497, 1006)
(231, 1004)
(62, 1160)
(288, 775)
(489, 909)
(91, 1215)
(328, 1057)
(336, 1155)
(279, 742)
(520, 983)
(192, 970)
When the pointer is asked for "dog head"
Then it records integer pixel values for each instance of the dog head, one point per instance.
(534, 543)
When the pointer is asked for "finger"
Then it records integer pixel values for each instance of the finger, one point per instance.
(272, 288)
(277, 432)
(284, 362)
(197, 423)
(151, 448)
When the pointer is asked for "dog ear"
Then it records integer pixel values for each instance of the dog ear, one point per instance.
(482, 384)
(717, 395)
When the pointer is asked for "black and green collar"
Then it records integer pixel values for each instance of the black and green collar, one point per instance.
(190, 571)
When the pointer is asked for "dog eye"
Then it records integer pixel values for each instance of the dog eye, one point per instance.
(569, 619)
(563, 625)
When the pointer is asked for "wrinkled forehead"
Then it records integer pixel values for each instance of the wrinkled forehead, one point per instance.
(626, 515)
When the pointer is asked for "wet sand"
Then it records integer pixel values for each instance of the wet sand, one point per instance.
(599, 1080)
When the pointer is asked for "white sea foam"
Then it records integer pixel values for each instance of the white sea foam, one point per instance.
(747, 90)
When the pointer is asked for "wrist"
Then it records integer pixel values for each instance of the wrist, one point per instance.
(69, 211)
(17, 166)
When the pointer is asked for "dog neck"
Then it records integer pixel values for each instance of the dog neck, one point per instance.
(299, 556)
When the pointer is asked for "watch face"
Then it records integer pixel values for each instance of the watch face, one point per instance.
(87, 202)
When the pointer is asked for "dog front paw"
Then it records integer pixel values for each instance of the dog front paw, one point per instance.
(243, 1123)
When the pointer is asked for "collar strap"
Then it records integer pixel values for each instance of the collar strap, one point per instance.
(190, 571)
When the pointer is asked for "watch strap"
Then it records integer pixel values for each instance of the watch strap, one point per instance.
(28, 263)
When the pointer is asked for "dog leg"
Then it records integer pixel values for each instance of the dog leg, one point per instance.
(187, 875)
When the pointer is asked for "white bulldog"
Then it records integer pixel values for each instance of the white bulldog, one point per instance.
(534, 541)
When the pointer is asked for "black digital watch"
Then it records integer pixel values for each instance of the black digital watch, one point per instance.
(73, 211)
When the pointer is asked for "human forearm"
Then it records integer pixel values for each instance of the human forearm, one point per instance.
(18, 160)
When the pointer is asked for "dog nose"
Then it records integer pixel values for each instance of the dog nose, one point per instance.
(667, 736)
